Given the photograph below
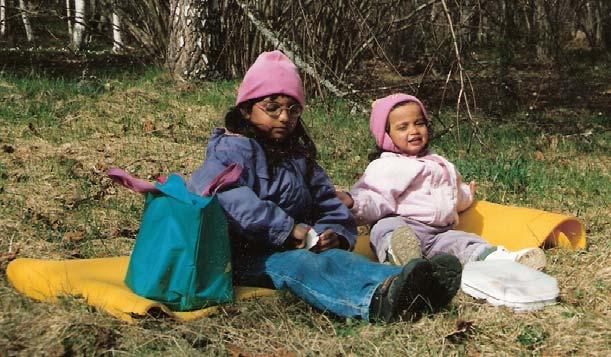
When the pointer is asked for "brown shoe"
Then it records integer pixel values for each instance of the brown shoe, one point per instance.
(404, 246)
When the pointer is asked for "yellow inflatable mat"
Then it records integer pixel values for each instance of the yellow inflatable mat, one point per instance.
(518, 227)
(100, 281)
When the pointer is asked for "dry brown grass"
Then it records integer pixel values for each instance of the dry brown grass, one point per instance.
(55, 202)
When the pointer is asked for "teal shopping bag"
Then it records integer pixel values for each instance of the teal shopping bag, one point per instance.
(182, 254)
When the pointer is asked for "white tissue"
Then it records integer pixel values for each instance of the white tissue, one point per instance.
(311, 239)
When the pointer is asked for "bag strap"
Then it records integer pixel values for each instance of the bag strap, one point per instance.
(124, 179)
(224, 179)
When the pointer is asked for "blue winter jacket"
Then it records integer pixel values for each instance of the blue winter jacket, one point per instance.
(263, 209)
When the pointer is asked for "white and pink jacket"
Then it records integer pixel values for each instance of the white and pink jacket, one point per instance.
(427, 189)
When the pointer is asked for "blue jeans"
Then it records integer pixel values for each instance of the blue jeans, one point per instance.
(335, 280)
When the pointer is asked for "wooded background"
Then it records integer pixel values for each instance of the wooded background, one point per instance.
(339, 45)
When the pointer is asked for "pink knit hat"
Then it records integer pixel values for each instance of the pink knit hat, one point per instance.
(379, 116)
(272, 73)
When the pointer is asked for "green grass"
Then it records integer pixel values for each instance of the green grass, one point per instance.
(58, 136)
(515, 169)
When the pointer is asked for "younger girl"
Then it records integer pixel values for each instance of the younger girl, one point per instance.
(281, 186)
(414, 196)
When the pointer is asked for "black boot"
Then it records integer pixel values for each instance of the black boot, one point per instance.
(405, 295)
(447, 272)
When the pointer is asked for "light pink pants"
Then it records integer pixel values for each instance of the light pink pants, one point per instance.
(465, 246)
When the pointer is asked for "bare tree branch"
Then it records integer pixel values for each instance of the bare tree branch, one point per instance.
(306, 64)
(461, 94)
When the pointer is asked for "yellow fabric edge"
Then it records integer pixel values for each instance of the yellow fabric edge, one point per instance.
(100, 283)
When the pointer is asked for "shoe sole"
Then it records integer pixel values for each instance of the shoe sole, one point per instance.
(534, 259)
(447, 273)
(405, 246)
(414, 290)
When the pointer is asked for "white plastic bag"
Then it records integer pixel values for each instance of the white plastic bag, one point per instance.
(509, 284)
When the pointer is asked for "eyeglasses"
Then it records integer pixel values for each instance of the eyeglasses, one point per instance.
(274, 109)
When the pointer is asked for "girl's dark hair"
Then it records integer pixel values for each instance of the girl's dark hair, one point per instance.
(297, 144)
(376, 152)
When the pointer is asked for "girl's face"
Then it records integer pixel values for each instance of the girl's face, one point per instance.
(275, 116)
(407, 129)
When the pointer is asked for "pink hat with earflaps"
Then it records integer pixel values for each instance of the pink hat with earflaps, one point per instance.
(272, 73)
(379, 116)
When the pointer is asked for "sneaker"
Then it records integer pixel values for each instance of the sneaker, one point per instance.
(404, 246)
(405, 295)
(531, 257)
(447, 273)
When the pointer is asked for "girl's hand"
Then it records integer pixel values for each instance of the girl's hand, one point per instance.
(297, 239)
(345, 198)
(473, 188)
(326, 240)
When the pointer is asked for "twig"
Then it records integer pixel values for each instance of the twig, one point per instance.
(290, 50)
(374, 36)
(443, 92)
(375, 39)
(461, 94)
(309, 35)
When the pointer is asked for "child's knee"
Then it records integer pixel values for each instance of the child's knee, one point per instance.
(290, 262)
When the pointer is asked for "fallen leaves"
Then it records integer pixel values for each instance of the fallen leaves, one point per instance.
(463, 330)
(33, 129)
(148, 126)
(73, 237)
(10, 256)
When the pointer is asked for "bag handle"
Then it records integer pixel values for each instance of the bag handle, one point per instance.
(225, 178)
(124, 179)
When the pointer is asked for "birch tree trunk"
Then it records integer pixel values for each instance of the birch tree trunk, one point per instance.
(590, 24)
(116, 34)
(598, 32)
(26, 21)
(78, 31)
(543, 53)
(194, 43)
(593, 23)
(69, 17)
(92, 10)
(2, 18)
